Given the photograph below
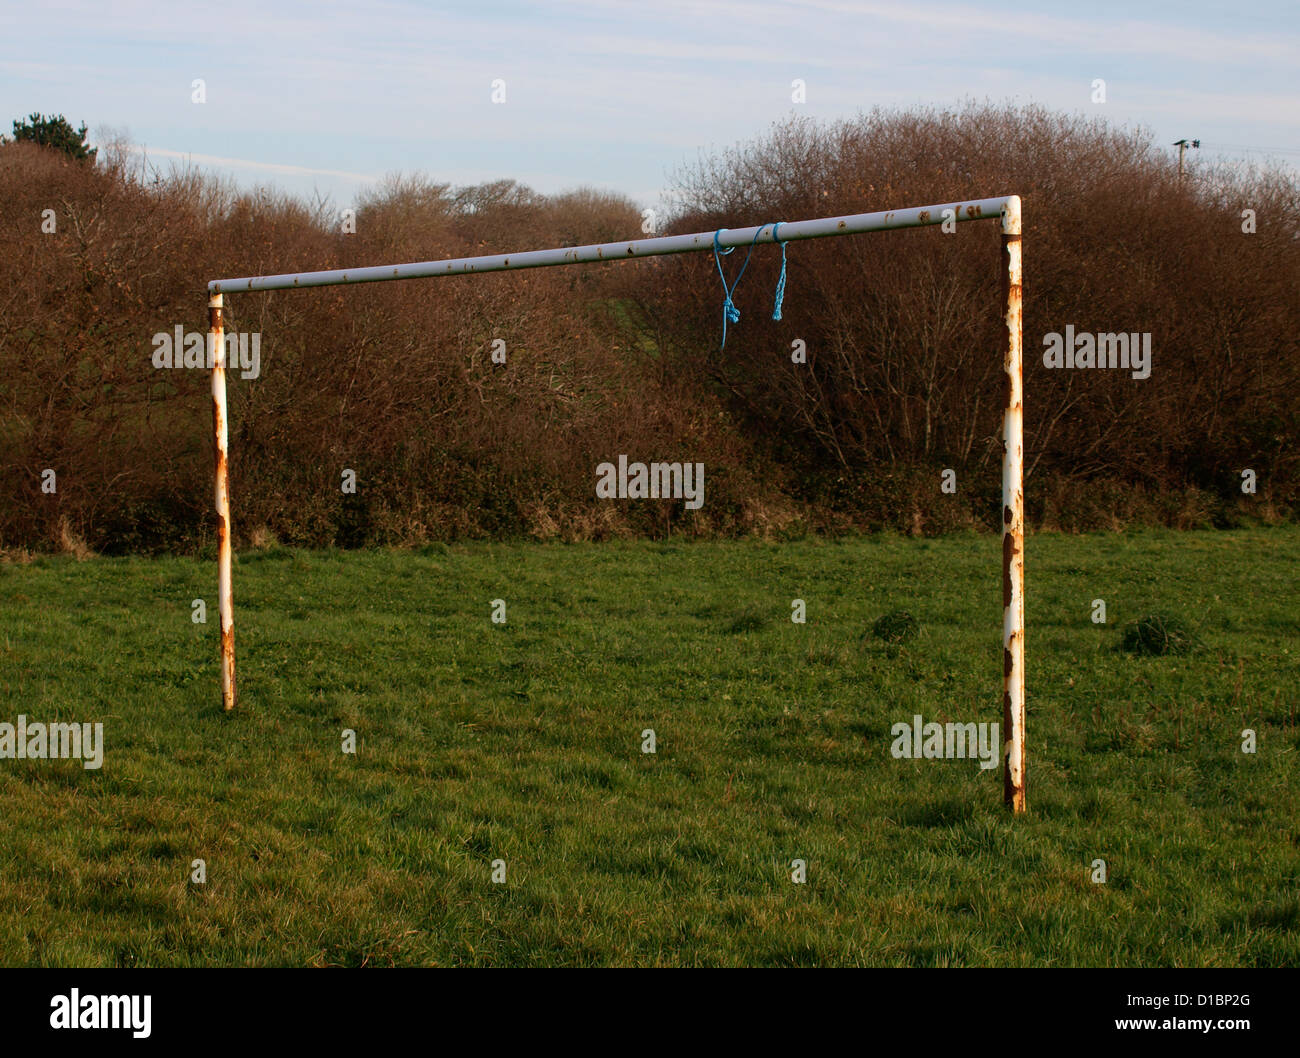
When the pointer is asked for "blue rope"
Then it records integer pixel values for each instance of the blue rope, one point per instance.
(731, 314)
(729, 311)
(780, 282)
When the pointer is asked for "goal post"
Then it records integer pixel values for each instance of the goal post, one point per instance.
(1006, 210)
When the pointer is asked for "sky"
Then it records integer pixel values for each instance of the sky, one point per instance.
(327, 97)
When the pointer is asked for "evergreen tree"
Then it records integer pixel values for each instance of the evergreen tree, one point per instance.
(57, 133)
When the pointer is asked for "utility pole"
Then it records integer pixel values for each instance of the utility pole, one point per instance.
(1182, 146)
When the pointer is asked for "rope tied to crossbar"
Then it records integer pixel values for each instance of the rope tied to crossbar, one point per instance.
(731, 314)
(780, 280)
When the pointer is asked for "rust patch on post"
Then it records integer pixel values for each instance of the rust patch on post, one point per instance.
(228, 666)
(1008, 561)
(219, 455)
(1013, 779)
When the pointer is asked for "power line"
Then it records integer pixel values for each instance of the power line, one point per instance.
(1247, 147)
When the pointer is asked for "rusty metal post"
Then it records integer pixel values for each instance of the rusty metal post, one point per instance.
(1013, 518)
(221, 441)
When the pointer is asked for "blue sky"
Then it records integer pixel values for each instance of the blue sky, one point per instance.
(328, 96)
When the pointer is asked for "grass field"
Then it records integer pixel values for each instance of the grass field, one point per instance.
(522, 742)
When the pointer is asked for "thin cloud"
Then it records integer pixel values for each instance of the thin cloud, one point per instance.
(245, 163)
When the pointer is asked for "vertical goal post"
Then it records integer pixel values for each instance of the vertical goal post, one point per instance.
(1006, 210)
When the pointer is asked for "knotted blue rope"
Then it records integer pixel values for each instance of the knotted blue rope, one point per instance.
(780, 281)
(731, 314)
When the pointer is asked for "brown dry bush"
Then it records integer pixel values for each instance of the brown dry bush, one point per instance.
(903, 328)
(395, 381)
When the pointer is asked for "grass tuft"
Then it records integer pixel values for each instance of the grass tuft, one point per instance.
(1157, 635)
(897, 626)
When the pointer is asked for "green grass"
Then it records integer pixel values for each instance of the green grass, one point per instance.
(523, 742)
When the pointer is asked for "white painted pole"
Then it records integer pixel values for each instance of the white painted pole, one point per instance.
(221, 440)
(1013, 516)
